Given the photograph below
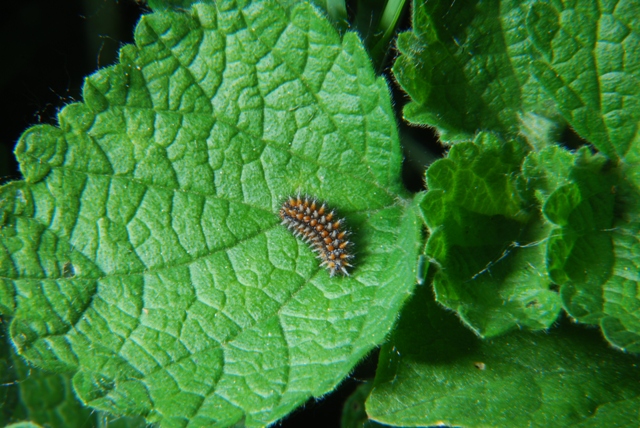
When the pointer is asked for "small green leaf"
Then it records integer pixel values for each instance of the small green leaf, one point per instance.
(487, 247)
(435, 371)
(143, 252)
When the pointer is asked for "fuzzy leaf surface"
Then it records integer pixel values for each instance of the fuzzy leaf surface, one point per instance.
(530, 69)
(143, 252)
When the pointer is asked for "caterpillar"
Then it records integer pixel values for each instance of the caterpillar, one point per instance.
(315, 223)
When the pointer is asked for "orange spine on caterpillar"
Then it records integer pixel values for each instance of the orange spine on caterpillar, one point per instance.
(315, 224)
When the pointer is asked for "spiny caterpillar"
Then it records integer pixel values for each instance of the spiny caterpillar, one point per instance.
(318, 228)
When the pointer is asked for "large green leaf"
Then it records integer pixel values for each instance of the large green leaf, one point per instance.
(143, 251)
(434, 371)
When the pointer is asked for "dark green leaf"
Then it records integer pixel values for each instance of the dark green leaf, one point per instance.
(434, 371)
(465, 66)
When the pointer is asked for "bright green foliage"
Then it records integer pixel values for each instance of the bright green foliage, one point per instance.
(143, 252)
(484, 241)
(435, 370)
(142, 257)
(512, 221)
(525, 69)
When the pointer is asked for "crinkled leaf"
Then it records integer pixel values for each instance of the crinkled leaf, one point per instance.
(621, 303)
(486, 65)
(580, 206)
(590, 66)
(465, 66)
(143, 251)
(433, 371)
(486, 246)
(510, 67)
(592, 249)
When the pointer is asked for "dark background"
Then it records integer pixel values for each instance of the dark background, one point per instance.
(48, 47)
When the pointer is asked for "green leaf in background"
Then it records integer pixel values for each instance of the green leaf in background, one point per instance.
(377, 23)
(579, 203)
(531, 68)
(353, 413)
(159, 5)
(434, 371)
(485, 243)
(465, 66)
(621, 323)
(590, 66)
(592, 251)
(47, 399)
(143, 251)
(24, 425)
(9, 392)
